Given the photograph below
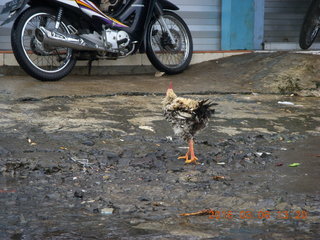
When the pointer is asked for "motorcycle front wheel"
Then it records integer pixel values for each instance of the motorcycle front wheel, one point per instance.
(165, 55)
(45, 63)
(310, 26)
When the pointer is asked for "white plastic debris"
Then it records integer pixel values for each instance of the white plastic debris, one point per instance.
(262, 154)
(289, 103)
(169, 138)
(107, 211)
(159, 74)
(286, 103)
(221, 163)
(148, 128)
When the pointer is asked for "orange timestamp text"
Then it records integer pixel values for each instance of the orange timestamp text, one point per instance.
(245, 214)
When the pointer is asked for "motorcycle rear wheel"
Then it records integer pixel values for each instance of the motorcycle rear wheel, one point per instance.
(45, 63)
(171, 58)
(310, 26)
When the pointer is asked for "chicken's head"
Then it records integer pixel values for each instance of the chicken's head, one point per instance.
(170, 95)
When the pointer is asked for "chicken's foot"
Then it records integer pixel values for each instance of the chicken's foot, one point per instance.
(193, 158)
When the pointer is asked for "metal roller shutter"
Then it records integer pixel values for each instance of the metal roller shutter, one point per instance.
(283, 20)
(4, 30)
(204, 20)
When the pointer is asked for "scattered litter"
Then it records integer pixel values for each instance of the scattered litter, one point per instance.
(199, 213)
(294, 164)
(63, 148)
(183, 147)
(289, 103)
(106, 177)
(74, 178)
(31, 142)
(279, 164)
(158, 204)
(83, 162)
(89, 201)
(159, 74)
(148, 128)
(169, 138)
(219, 178)
(221, 163)
(286, 103)
(262, 154)
(283, 149)
(107, 211)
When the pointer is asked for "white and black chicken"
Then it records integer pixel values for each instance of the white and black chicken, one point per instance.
(187, 117)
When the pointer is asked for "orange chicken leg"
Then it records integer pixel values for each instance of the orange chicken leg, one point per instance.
(193, 158)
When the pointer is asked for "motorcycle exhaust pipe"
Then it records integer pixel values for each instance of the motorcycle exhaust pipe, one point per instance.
(57, 39)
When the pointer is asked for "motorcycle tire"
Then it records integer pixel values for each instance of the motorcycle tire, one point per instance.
(165, 56)
(310, 26)
(45, 63)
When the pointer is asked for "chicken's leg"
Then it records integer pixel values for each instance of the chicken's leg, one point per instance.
(190, 152)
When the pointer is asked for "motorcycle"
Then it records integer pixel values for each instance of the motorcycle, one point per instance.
(310, 26)
(49, 36)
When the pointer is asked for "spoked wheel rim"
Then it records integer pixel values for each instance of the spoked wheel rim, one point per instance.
(314, 33)
(44, 58)
(170, 55)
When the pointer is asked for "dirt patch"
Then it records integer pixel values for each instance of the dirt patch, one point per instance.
(281, 72)
(83, 168)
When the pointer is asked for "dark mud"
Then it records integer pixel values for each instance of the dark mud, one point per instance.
(65, 162)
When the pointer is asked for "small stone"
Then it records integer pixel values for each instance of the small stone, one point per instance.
(78, 194)
(144, 199)
(96, 210)
(89, 143)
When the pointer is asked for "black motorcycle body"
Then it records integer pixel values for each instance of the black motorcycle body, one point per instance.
(49, 36)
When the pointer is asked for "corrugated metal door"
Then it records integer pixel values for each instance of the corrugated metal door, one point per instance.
(283, 20)
(204, 20)
(5, 31)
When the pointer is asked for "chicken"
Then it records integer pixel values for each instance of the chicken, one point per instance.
(187, 117)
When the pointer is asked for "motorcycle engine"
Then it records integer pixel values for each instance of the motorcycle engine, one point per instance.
(111, 6)
(116, 40)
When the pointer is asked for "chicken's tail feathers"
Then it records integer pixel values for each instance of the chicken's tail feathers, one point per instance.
(207, 103)
(206, 107)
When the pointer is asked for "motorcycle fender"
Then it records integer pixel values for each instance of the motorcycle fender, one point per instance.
(13, 9)
(168, 5)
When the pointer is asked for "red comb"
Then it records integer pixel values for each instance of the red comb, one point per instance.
(170, 85)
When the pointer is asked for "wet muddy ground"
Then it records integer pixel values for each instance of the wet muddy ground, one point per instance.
(67, 163)
(93, 158)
